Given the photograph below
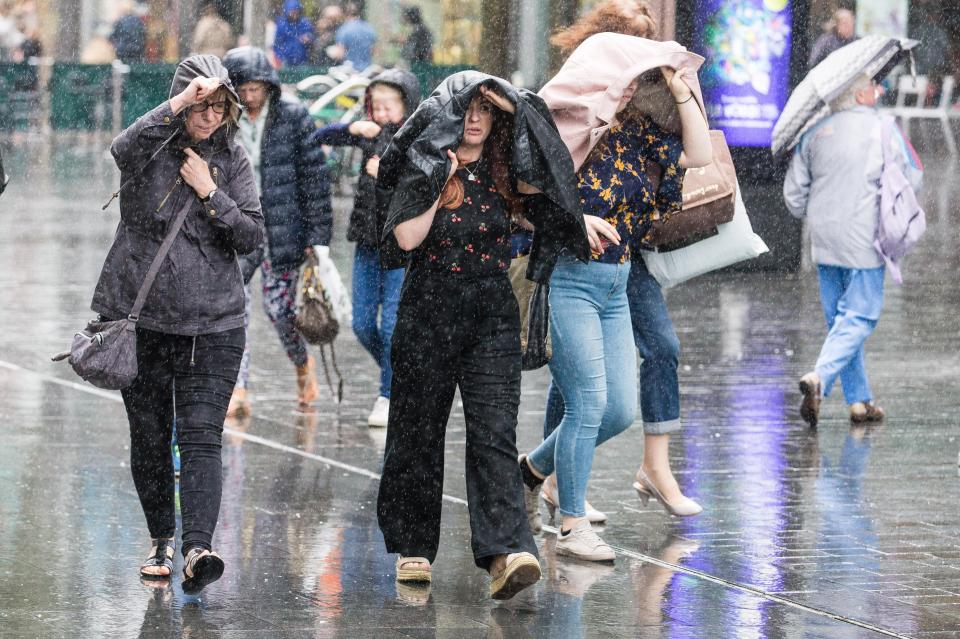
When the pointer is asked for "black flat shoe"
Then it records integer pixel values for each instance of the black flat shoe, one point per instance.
(161, 556)
(200, 569)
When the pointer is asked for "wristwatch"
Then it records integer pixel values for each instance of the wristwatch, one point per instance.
(209, 196)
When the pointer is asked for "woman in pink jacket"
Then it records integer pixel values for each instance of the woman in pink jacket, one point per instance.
(620, 102)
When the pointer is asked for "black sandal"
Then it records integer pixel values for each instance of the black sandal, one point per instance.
(204, 567)
(161, 555)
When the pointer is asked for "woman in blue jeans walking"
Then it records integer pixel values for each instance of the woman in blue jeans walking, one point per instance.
(594, 359)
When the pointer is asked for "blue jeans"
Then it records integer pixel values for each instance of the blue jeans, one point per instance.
(852, 300)
(594, 367)
(659, 348)
(376, 294)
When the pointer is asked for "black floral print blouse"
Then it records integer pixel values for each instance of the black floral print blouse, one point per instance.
(614, 184)
(472, 239)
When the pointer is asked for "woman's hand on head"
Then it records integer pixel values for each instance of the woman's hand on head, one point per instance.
(196, 173)
(199, 89)
(497, 100)
(598, 228)
(678, 82)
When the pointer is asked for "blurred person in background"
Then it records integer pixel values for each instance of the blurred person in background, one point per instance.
(355, 40)
(331, 17)
(294, 188)
(10, 35)
(129, 35)
(212, 34)
(842, 32)
(418, 46)
(294, 35)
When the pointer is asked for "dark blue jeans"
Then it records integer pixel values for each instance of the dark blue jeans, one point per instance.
(659, 347)
(376, 294)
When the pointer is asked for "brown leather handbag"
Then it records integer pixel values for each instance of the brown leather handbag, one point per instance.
(708, 201)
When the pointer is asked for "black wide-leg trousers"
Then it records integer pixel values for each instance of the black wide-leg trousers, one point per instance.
(454, 332)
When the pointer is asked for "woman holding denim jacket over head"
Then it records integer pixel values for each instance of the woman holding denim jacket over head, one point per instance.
(600, 101)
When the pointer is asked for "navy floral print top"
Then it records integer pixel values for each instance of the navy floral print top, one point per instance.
(614, 184)
(472, 239)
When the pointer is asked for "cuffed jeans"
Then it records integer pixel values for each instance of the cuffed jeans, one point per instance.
(454, 332)
(594, 368)
(659, 347)
(376, 294)
(852, 300)
(190, 379)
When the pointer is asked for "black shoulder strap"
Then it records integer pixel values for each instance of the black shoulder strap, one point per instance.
(140, 170)
(158, 260)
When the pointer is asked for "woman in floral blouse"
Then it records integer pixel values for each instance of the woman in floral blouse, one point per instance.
(594, 359)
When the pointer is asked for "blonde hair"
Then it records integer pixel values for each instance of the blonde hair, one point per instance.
(629, 17)
(848, 99)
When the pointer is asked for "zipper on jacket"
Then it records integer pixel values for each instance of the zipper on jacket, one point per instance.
(167, 196)
(193, 350)
(215, 179)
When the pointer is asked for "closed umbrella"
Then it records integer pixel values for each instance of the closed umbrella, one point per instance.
(809, 103)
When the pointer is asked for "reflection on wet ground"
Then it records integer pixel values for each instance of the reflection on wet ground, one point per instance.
(843, 532)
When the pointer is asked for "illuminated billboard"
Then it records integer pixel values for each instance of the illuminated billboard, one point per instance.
(746, 76)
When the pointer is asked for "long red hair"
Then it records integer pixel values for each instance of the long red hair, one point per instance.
(630, 17)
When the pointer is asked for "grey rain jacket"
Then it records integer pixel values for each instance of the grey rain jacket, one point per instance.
(199, 288)
(414, 169)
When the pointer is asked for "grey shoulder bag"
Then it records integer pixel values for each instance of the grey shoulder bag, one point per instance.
(105, 353)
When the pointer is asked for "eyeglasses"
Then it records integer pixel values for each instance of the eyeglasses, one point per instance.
(218, 107)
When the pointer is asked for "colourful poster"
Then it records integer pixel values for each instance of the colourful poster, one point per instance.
(746, 76)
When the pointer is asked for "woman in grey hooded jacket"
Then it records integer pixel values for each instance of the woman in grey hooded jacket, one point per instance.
(190, 334)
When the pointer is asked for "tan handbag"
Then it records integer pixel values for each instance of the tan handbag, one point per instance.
(708, 201)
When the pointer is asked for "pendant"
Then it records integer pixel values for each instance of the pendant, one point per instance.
(472, 177)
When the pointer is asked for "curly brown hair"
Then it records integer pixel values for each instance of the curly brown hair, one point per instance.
(630, 17)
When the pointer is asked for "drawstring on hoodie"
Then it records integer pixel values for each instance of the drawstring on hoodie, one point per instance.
(193, 350)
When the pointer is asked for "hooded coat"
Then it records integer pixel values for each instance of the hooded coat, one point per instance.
(363, 218)
(414, 169)
(295, 183)
(584, 95)
(199, 288)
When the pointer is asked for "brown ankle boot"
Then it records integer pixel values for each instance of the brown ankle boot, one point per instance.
(307, 388)
(865, 412)
(239, 403)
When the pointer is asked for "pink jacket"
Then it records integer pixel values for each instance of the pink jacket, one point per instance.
(584, 95)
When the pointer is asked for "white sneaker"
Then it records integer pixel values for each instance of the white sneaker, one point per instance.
(583, 543)
(380, 413)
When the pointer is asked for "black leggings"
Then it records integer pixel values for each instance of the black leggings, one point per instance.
(189, 379)
(454, 332)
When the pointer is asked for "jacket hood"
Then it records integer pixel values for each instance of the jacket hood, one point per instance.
(292, 5)
(209, 66)
(250, 64)
(584, 95)
(404, 81)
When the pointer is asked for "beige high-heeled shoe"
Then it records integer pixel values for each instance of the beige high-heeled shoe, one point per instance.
(684, 507)
(548, 495)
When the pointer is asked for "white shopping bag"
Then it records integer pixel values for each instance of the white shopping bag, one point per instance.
(333, 285)
(734, 242)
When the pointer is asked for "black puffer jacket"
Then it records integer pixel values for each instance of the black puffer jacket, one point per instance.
(199, 288)
(295, 185)
(414, 169)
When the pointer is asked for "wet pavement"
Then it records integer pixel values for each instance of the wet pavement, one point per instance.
(843, 532)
